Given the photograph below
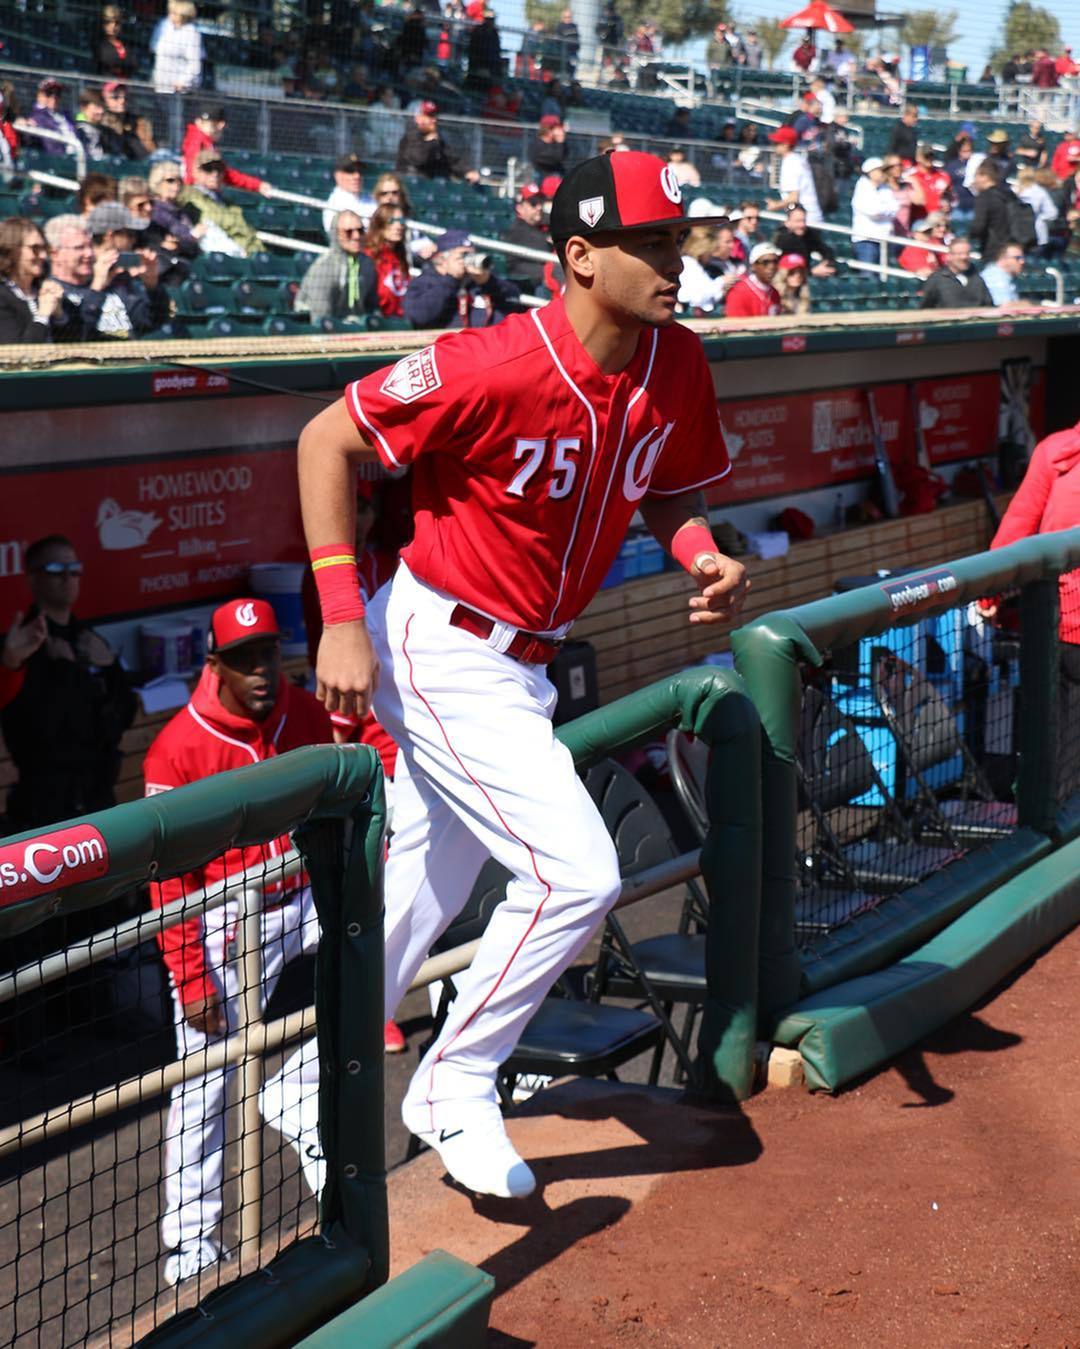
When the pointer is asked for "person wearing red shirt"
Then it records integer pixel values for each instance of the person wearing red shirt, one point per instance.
(1066, 157)
(923, 261)
(243, 711)
(532, 445)
(754, 296)
(203, 134)
(930, 185)
(1065, 65)
(1048, 499)
(1044, 71)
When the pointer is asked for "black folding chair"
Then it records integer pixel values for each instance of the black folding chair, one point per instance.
(964, 810)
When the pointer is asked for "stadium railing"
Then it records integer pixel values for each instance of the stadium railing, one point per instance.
(903, 776)
(80, 1212)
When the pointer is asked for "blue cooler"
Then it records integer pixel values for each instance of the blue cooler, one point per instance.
(280, 583)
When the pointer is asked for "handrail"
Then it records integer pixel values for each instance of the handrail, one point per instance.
(1059, 283)
(73, 142)
(903, 240)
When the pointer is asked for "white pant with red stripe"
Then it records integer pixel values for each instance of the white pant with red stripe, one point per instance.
(480, 774)
(195, 1131)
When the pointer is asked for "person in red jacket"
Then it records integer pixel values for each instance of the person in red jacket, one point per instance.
(1066, 157)
(1049, 499)
(203, 134)
(754, 296)
(243, 711)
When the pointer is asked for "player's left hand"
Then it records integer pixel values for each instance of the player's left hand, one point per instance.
(723, 582)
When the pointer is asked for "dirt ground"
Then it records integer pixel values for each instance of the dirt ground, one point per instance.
(935, 1204)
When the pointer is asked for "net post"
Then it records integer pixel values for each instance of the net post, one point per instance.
(249, 960)
(1039, 729)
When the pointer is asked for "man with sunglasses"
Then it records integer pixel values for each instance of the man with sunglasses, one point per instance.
(243, 711)
(63, 728)
(204, 198)
(342, 283)
(348, 193)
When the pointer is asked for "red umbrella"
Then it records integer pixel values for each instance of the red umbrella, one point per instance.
(818, 15)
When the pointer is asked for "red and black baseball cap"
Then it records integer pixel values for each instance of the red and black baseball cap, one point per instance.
(628, 191)
(241, 621)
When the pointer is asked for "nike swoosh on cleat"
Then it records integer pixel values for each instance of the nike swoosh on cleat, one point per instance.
(445, 1137)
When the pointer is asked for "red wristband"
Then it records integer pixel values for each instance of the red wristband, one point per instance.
(338, 583)
(690, 542)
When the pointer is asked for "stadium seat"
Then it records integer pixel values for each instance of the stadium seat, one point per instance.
(202, 298)
(220, 268)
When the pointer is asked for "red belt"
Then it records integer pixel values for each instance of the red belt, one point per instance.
(526, 646)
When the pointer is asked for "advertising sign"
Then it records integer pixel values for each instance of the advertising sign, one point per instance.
(959, 415)
(156, 532)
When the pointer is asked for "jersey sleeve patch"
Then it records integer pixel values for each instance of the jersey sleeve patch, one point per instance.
(414, 376)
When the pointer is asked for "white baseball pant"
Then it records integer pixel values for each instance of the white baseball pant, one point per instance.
(195, 1131)
(480, 773)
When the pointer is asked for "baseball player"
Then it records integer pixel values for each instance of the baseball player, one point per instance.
(242, 711)
(532, 445)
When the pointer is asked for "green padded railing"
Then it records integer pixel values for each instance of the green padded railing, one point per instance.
(335, 791)
(712, 704)
(768, 653)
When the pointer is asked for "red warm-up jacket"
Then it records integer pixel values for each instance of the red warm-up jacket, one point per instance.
(201, 740)
(749, 300)
(196, 140)
(1049, 499)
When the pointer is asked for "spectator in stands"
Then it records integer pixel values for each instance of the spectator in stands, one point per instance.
(119, 298)
(48, 114)
(389, 190)
(9, 112)
(382, 125)
(991, 227)
(27, 300)
(569, 39)
(123, 133)
(804, 55)
(874, 207)
(88, 122)
(1044, 74)
(931, 186)
(1043, 206)
(63, 728)
(954, 285)
(547, 149)
(1000, 153)
(748, 220)
(754, 295)
(527, 61)
(423, 151)
(920, 260)
(807, 123)
(385, 246)
(893, 168)
(341, 284)
(703, 286)
(178, 56)
(111, 54)
(1001, 274)
(1010, 69)
(904, 138)
(484, 54)
(527, 231)
(796, 236)
(243, 711)
(840, 147)
(1031, 149)
(1066, 156)
(134, 193)
(456, 290)
(166, 182)
(963, 199)
(820, 89)
(203, 197)
(93, 190)
(796, 179)
(348, 193)
(792, 285)
(204, 133)
(686, 174)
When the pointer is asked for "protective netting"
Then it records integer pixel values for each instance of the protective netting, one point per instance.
(149, 1154)
(1068, 687)
(907, 757)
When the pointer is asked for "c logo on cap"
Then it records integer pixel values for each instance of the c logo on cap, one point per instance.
(245, 615)
(670, 184)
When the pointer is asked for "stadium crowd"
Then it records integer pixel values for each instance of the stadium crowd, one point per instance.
(177, 241)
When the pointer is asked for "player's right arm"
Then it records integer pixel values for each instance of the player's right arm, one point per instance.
(330, 447)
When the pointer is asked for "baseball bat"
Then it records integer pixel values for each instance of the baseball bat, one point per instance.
(890, 500)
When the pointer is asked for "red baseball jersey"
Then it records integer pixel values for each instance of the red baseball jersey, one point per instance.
(528, 462)
(749, 299)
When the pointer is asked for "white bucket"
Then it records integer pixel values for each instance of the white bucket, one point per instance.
(167, 646)
(280, 583)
